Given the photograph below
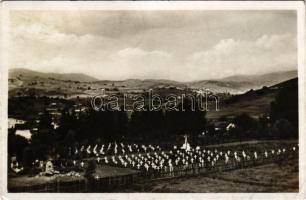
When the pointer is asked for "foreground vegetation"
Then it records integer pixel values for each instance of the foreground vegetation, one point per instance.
(277, 177)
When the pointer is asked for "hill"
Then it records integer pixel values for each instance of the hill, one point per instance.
(143, 84)
(30, 74)
(25, 82)
(268, 78)
(242, 83)
(254, 102)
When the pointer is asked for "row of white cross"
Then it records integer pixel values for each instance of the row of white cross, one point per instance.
(115, 149)
(177, 157)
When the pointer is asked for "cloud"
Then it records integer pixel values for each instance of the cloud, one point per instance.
(139, 63)
(45, 49)
(131, 52)
(164, 45)
(42, 48)
(228, 57)
(106, 23)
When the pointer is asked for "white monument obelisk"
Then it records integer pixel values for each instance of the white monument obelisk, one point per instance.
(186, 145)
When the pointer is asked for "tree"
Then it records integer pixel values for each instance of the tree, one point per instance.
(42, 142)
(245, 126)
(28, 157)
(45, 121)
(98, 124)
(263, 127)
(282, 129)
(68, 122)
(136, 125)
(70, 138)
(16, 145)
(122, 123)
(189, 119)
(285, 105)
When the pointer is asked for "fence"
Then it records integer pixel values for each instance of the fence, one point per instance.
(194, 169)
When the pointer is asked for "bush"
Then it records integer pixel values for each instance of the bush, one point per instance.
(282, 129)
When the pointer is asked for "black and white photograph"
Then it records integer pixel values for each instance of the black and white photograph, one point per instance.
(153, 98)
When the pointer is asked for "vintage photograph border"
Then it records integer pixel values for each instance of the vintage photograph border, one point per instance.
(6, 7)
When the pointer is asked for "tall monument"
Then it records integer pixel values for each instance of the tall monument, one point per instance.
(186, 145)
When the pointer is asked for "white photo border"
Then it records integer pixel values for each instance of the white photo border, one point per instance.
(8, 6)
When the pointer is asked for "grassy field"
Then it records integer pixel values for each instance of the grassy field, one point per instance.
(24, 181)
(266, 178)
(107, 171)
(255, 107)
(101, 171)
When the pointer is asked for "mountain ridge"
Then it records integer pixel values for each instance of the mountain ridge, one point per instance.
(60, 76)
(20, 77)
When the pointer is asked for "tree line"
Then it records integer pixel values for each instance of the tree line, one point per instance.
(162, 127)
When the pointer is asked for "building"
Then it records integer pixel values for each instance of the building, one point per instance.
(12, 122)
(24, 133)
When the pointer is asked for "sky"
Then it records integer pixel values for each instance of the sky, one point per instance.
(175, 45)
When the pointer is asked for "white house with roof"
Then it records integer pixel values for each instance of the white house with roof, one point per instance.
(12, 122)
(24, 133)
